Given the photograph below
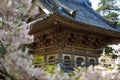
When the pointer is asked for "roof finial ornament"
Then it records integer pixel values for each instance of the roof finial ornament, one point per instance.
(66, 9)
(55, 8)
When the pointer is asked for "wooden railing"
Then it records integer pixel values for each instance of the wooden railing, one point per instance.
(66, 63)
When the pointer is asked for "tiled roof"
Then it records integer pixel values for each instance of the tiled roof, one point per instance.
(83, 12)
(118, 27)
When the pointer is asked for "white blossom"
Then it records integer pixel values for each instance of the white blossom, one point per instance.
(19, 64)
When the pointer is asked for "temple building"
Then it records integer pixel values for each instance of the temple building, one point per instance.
(70, 32)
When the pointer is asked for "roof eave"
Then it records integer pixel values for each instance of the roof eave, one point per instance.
(73, 24)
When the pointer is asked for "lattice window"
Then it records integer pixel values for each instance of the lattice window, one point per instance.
(79, 60)
(51, 59)
(92, 61)
(67, 60)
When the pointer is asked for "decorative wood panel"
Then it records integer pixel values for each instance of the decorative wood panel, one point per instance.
(60, 38)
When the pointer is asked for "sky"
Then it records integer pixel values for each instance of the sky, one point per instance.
(95, 3)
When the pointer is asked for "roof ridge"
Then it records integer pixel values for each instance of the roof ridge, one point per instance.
(73, 1)
(78, 2)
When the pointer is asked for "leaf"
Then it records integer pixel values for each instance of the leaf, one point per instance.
(107, 8)
(1, 23)
(38, 58)
(24, 49)
(50, 69)
(2, 49)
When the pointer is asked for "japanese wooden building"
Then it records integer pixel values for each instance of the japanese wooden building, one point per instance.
(70, 32)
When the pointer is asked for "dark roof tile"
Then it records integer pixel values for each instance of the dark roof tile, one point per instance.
(85, 13)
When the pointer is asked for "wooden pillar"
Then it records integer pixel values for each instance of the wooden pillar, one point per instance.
(86, 58)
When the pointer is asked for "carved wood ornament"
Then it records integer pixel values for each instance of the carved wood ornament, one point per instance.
(59, 37)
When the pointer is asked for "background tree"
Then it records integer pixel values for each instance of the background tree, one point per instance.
(109, 9)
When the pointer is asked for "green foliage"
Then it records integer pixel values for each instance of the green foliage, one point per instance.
(112, 16)
(2, 49)
(109, 52)
(1, 22)
(38, 58)
(50, 69)
(24, 48)
(118, 22)
(109, 9)
(19, 19)
(104, 7)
